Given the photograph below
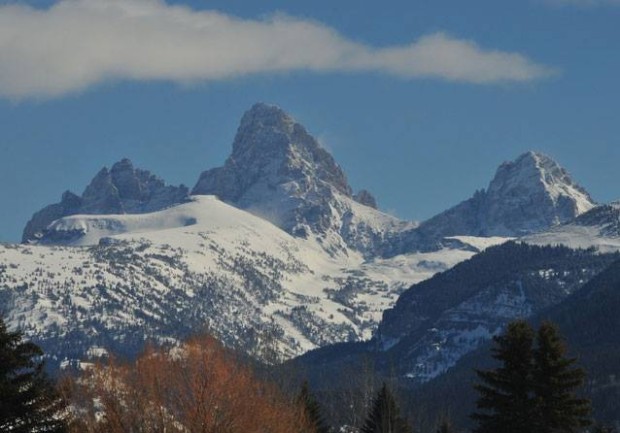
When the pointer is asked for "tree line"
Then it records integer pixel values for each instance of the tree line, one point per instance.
(203, 387)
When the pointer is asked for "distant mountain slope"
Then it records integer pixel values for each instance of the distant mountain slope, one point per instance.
(599, 228)
(589, 321)
(122, 189)
(438, 321)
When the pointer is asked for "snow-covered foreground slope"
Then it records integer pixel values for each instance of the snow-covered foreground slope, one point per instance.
(200, 265)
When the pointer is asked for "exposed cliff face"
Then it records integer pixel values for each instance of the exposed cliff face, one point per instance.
(278, 171)
(366, 198)
(271, 151)
(121, 189)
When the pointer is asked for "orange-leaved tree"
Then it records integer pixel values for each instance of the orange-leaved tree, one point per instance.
(199, 387)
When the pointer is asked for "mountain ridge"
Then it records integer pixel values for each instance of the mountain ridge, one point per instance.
(121, 189)
(278, 171)
(332, 262)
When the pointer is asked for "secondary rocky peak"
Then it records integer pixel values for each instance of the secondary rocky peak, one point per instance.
(533, 193)
(121, 189)
(536, 170)
(527, 195)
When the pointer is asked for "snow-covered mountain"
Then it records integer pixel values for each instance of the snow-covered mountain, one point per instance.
(279, 172)
(272, 252)
(528, 195)
(199, 265)
(121, 189)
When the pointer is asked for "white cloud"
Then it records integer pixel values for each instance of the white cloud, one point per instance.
(79, 43)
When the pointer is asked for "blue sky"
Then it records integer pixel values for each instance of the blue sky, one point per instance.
(418, 101)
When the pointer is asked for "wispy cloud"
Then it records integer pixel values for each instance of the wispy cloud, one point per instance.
(78, 43)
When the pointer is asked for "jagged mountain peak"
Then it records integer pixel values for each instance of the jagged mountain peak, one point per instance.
(265, 127)
(537, 166)
(269, 149)
(116, 190)
(528, 168)
(279, 171)
(527, 195)
(535, 170)
(266, 116)
(536, 189)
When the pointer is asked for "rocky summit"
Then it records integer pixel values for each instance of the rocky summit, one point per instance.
(280, 172)
(271, 150)
(121, 189)
(528, 195)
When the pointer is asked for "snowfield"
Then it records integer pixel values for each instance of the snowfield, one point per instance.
(203, 265)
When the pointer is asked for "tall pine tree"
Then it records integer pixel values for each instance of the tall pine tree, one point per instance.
(311, 409)
(28, 401)
(534, 388)
(384, 417)
(555, 381)
(445, 427)
(506, 403)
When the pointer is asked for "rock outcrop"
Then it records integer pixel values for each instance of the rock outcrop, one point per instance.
(121, 189)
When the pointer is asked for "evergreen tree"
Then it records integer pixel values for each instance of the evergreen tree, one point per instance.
(384, 416)
(506, 403)
(445, 427)
(312, 409)
(28, 401)
(555, 381)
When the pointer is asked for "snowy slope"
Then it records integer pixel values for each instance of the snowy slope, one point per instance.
(598, 228)
(199, 265)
